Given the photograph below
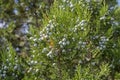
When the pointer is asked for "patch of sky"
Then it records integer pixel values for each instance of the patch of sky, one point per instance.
(118, 1)
(15, 11)
(3, 24)
(24, 29)
(16, 1)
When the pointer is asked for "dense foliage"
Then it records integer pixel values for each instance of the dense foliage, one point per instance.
(68, 40)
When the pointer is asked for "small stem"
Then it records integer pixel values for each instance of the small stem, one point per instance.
(59, 66)
(37, 25)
